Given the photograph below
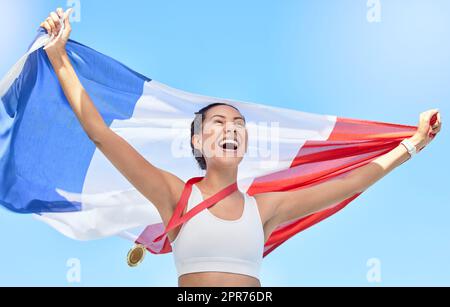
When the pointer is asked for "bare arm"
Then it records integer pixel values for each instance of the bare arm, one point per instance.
(287, 206)
(160, 187)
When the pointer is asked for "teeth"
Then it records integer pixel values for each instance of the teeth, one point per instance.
(233, 142)
(229, 141)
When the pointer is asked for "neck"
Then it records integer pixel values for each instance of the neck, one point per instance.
(217, 179)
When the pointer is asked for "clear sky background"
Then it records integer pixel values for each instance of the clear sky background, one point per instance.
(315, 56)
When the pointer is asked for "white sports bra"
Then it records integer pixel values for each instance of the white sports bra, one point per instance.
(207, 243)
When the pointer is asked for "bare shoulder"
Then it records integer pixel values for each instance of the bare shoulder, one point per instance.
(176, 186)
(267, 205)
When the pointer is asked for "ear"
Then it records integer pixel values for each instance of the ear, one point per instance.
(197, 142)
(246, 143)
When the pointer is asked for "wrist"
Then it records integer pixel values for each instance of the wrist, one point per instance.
(418, 142)
(58, 58)
(56, 52)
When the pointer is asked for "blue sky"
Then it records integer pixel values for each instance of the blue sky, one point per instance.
(315, 56)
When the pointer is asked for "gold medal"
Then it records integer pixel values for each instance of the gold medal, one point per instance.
(136, 255)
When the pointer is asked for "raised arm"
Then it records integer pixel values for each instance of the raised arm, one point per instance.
(287, 206)
(160, 187)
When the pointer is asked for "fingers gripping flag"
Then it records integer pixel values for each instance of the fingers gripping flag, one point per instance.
(50, 168)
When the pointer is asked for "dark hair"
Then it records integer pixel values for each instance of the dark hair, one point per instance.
(196, 126)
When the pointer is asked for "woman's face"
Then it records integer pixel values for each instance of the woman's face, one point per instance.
(223, 140)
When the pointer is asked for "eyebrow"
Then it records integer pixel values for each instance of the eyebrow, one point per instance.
(237, 117)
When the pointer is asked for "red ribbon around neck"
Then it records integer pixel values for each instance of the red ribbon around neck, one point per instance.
(177, 218)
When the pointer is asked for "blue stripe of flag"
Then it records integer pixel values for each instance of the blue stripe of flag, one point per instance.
(42, 145)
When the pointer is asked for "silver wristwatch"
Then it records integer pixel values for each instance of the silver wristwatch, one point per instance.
(410, 147)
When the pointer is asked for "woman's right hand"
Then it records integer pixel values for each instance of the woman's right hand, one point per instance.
(53, 26)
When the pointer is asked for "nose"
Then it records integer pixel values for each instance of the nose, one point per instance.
(230, 127)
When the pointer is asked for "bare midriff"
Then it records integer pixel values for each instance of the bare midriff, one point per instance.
(217, 279)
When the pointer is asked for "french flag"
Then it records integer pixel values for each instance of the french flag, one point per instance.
(50, 168)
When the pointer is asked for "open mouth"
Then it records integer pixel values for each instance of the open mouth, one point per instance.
(229, 144)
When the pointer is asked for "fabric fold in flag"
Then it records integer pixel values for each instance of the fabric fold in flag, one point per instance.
(50, 168)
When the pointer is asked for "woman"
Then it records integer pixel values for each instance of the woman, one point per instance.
(219, 141)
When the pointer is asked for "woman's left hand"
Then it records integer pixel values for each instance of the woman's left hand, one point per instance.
(429, 126)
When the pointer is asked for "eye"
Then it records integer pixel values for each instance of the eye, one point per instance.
(218, 121)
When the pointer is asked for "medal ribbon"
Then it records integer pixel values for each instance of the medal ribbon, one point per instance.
(177, 218)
